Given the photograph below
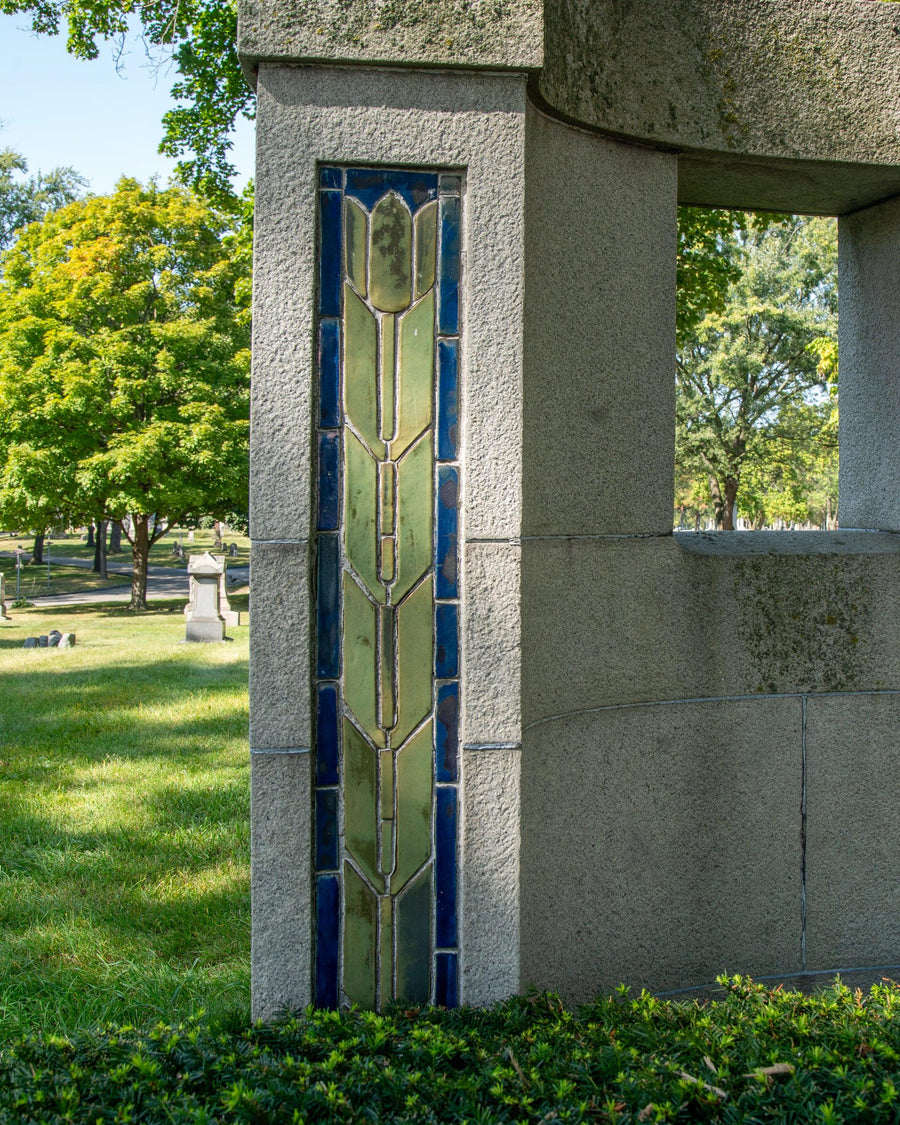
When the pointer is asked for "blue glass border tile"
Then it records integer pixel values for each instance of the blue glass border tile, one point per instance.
(446, 989)
(446, 734)
(448, 398)
(446, 815)
(326, 829)
(448, 293)
(328, 608)
(446, 641)
(329, 373)
(328, 924)
(327, 754)
(330, 253)
(368, 185)
(331, 177)
(447, 560)
(329, 480)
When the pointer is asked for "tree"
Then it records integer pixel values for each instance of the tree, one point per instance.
(124, 360)
(755, 396)
(24, 200)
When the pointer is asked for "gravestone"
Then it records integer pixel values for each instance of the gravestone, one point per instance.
(506, 728)
(3, 613)
(230, 616)
(204, 621)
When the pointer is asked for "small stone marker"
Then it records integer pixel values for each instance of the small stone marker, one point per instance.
(30, 642)
(44, 641)
(67, 640)
(53, 638)
(207, 576)
(232, 550)
(3, 614)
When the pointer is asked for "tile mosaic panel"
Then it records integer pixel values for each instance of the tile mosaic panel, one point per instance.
(387, 600)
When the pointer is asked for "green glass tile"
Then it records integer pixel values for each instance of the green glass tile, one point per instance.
(386, 758)
(414, 796)
(361, 512)
(386, 939)
(387, 687)
(388, 562)
(426, 247)
(414, 941)
(360, 658)
(415, 505)
(388, 473)
(360, 803)
(388, 331)
(416, 374)
(415, 645)
(356, 242)
(360, 370)
(360, 913)
(390, 255)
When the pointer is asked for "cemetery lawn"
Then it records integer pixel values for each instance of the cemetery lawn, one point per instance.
(63, 580)
(72, 546)
(124, 822)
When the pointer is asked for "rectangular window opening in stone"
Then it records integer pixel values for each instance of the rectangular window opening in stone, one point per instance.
(756, 372)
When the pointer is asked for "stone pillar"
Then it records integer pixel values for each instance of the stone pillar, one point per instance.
(3, 616)
(203, 620)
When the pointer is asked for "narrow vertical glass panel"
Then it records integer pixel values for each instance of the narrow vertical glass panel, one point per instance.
(414, 941)
(415, 500)
(328, 608)
(326, 829)
(414, 797)
(330, 253)
(388, 347)
(446, 641)
(387, 670)
(445, 821)
(330, 177)
(448, 307)
(426, 247)
(360, 929)
(450, 184)
(329, 373)
(415, 642)
(386, 938)
(386, 759)
(446, 734)
(447, 562)
(416, 374)
(355, 244)
(360, 370)
(328, 908)
(448, 399)
(388, 473)
(329, 480)
(360, 659)
(327, 735)
(388, 565)
(446, 990)
(361, 512)
(390, 254)
(360, 804)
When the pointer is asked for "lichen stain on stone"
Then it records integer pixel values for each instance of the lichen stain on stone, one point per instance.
(804, 620)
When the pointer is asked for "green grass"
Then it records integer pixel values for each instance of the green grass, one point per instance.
(160, 553)
(63, 580)
(124, 822)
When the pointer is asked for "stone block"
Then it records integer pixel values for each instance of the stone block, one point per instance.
(661, 846)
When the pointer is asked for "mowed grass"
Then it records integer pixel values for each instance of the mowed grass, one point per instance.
(124, 823)
(63, 580)
(73, 547)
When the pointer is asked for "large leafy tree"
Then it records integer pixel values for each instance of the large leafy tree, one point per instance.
(25, 199)
(124, 362)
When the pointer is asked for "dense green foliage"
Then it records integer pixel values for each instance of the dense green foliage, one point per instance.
(755, 1056)
(25, 199)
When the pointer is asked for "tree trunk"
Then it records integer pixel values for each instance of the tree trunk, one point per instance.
(90, 537)
(115, 538)
(37, 552)
(140, 538)
(99, 566)
(217, 527)
(723, 502)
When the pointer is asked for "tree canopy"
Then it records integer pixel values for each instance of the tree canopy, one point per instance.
(25, 199)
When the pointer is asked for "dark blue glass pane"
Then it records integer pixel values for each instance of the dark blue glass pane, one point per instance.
(446, 641)
(448, 299)
(326, 829)
(330, 177)
(445, 867)
(445, 987)
(329, 374)
(447, 562)
(446, 734)
(327, 736)
(329, 480)
(368, 185)
(330, 253)
(447, 399)
(328, 609)
(328, 905)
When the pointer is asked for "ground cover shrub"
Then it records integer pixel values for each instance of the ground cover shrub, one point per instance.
(755, 1055)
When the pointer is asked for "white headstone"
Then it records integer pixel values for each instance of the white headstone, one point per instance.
(203, 619)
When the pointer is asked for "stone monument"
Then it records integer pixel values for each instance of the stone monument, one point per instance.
(204, 621)
(506, 728)
(3, 614)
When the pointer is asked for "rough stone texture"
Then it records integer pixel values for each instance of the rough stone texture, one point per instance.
(599, 322)
(852, 746)
(869, 326)
(280, 647)
(492, 659)
(765, 93)
(479, 33)
(490, 876)
(705, 615)
(281, 886)
(661, 846)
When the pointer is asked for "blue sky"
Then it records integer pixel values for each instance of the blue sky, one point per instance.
(56, 110)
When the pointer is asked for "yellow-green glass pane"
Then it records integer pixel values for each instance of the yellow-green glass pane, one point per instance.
(361, 513)
(416, 374)
(361, 820)
(355, 244)
(360, 912)
(386, 757)
(360, 367)
(387, 331)
(390, 254)
(415, 505)
(386, 937)
(388, 690)
(415, 641)
(360, 659)
(426, 247)
(414, 941)
(414, 796)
